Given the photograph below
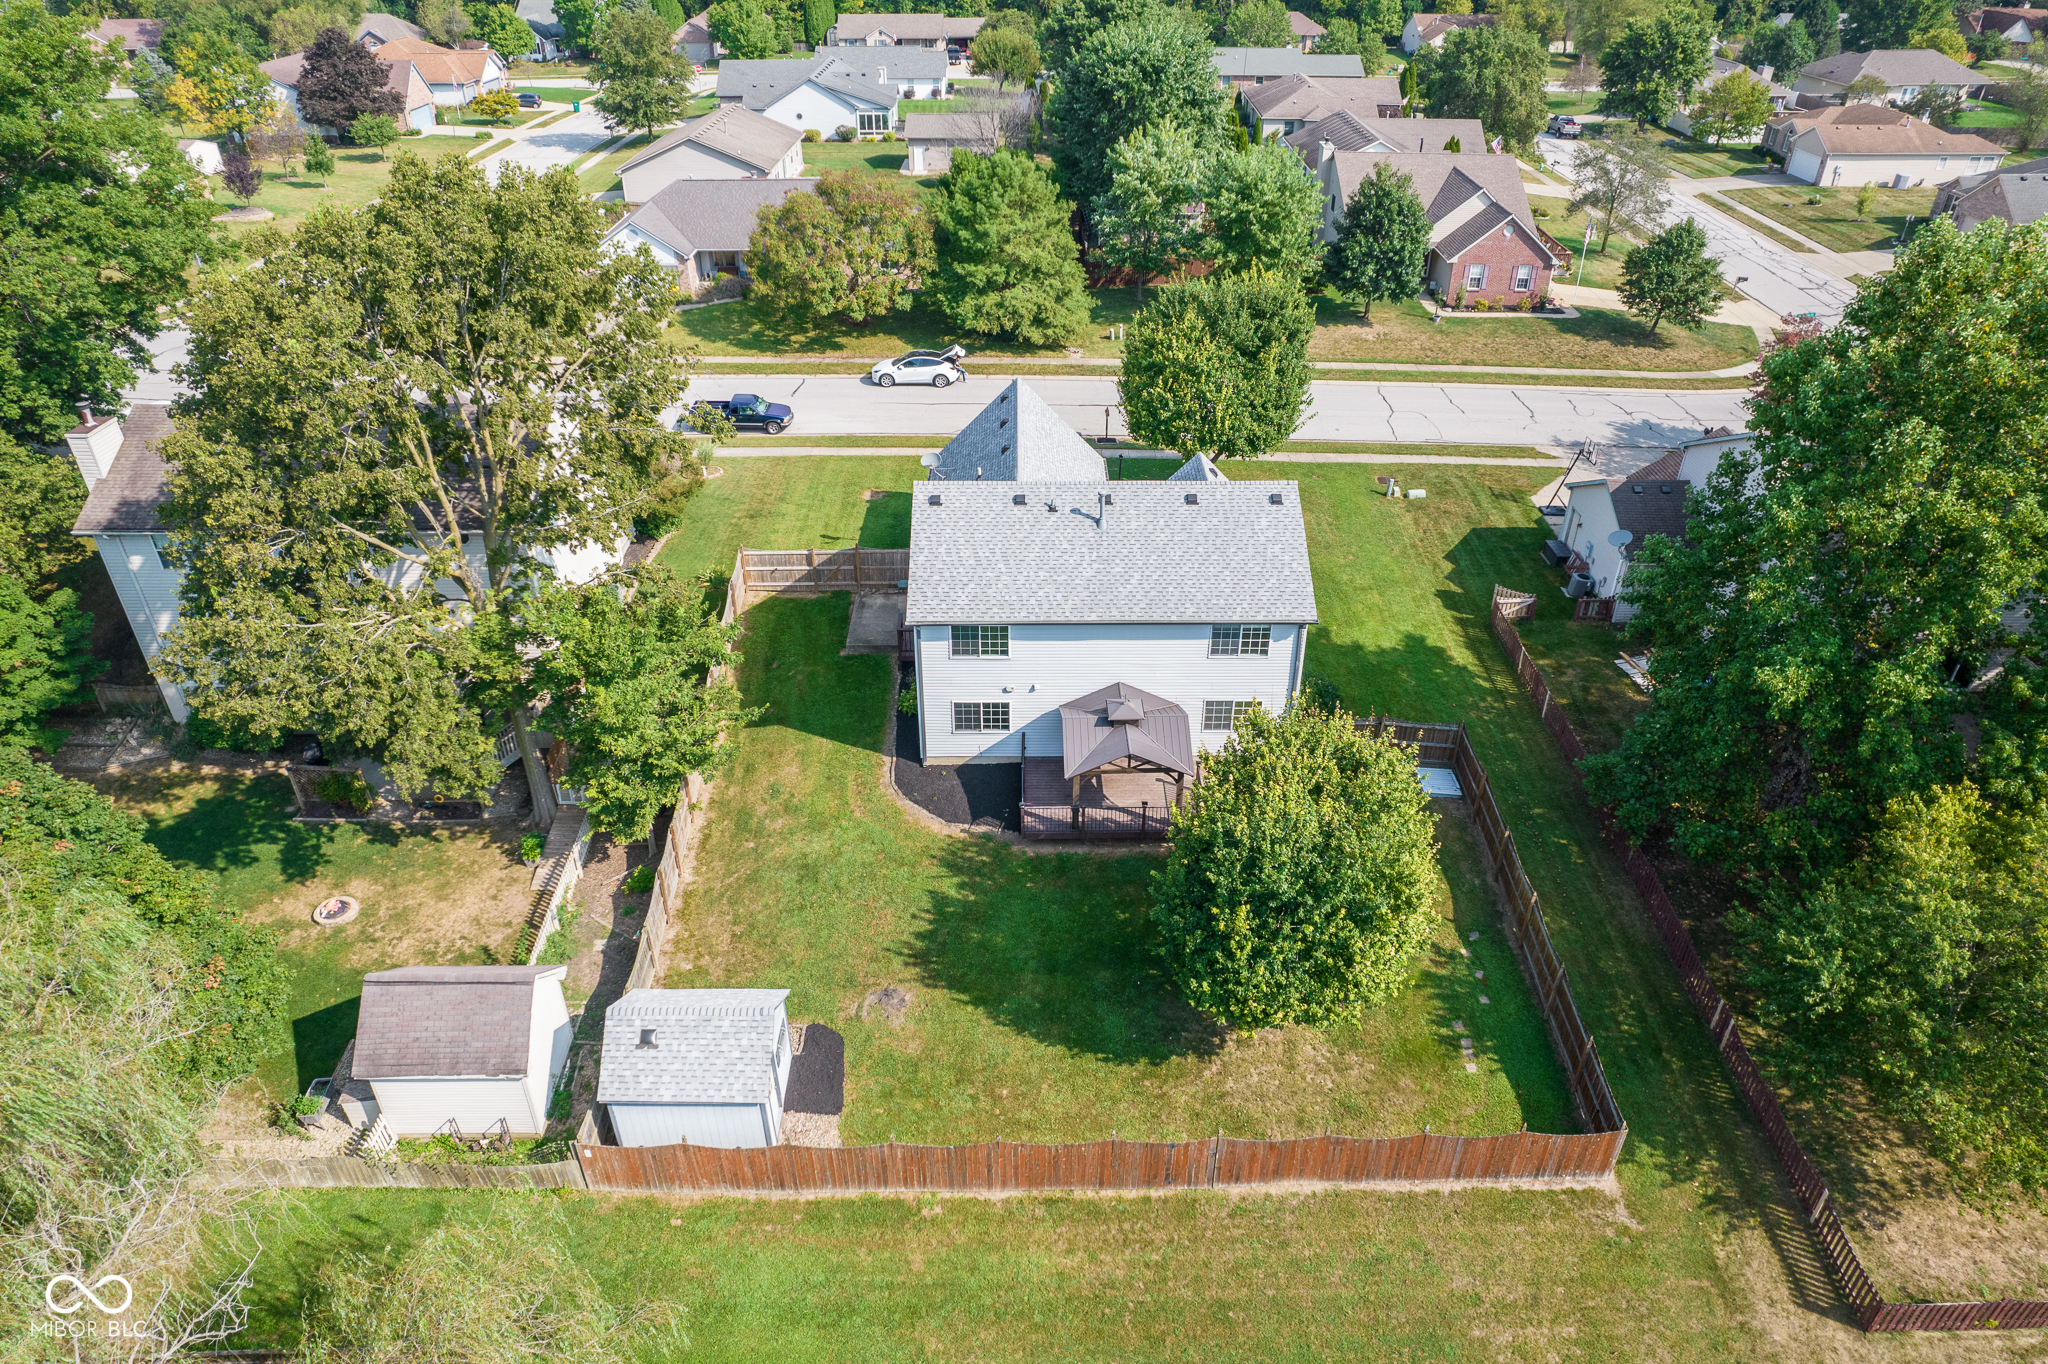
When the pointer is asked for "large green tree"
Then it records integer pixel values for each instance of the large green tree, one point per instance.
(1007, 53)
(1219, 365)
(646, 84)
(1785, 50)
(1258, 23)
(508, 35)
(1623, 180)
(1007, 263)
(1298, 887)
(1822, 20)
(1872, 24)
(1736, 106)
(1145, 218)
(1262, 211)
(1841, 625)
(1653, 66)
(1382, 247)
(854, 250)
(44, 495)
(1671, 278)
(342, 81)
(396, 419)
(744, 29)
(1127, 77)
(1491, 74)
(44, 659)
(99, 220)
(1065, 26)
(1921, 972)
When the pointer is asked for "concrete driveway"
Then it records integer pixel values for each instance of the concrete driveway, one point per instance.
(1455, 414)
(558, 144)
(1782, 280)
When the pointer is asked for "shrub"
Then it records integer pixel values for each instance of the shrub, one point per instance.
(889, 135)
(531, 846)
(346, 788)
(641, 879)
(813, 135)
(305, 1105)
(842, 133)
(906, 701)
(483, 136)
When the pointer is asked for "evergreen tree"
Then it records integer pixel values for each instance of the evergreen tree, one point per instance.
(1007, 265)
(1219, 365)
(319, 160)
(1672, 277)
(1382, 248)
(819, 17)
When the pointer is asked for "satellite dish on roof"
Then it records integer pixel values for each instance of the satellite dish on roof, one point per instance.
(1620, 538)
(929, 461)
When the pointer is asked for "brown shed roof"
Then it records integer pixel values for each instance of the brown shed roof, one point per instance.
(421, 1022)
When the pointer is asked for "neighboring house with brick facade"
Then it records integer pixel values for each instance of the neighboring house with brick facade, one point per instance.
(1874, 144)
(1282, 107)
(1430, 30)
(2013, 194)
(1482, 238)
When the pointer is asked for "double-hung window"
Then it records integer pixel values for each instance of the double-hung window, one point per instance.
(981, 641)
(1525, 275)
(1475, 277)
(1229, 641)
(981, 717)
(1223, 714)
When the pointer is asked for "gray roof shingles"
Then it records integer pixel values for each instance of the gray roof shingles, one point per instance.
(856, 71)
(1018, 437)
(710, 1047)
(1895, 66)
(1235, 555)
(708, 215)
(1242, 63)
(139, 481)
(1347, 132)
(731, 130)
(421, 1022)
(2018, 194)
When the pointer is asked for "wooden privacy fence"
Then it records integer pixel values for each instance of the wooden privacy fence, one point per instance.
(760, 572)
(1001, 1166)
(668, 886)
(350, 1172)
(1871, 1309)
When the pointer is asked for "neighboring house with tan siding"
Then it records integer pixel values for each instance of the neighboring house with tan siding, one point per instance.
(701, 228)
(1281, 107)
(729, 143)
(1430, 30)
(1874, 144)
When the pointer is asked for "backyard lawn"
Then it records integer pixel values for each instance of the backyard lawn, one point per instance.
(1596, 339)
(1833, 221)
(430, 898)
(358, 177)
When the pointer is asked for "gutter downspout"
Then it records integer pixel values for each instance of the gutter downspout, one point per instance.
(1300, 658)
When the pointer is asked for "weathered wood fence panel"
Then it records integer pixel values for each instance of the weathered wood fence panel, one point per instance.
(1808, 1187)
(760, 572)
(350, 1172)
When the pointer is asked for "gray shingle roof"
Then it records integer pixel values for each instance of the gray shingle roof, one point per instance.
(1197, 469)
(1895, 66)
(1313, 97)
(847, 70)
(1017, 437)
(731, 130)
(2018, 194)
(710, 1047)
(428, 1021)
(1473, 230)
(1348, 132)
(918, 27)
(1446, 180)
(708, 215)
(387, 27)
(127, 498)
(1244, 63)
(1659, 509)
(1235, 555)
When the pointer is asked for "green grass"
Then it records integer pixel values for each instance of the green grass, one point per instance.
(1603, 269)
(566, 94)
(1990, 116)
(1704, 161)
(1565, 102)
(740, 329)
(1784, 239)
(1833, 221)
(358, 177)
(428, 898)
(1596, 339)
(603, 173)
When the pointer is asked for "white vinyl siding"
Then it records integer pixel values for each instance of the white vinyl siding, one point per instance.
(1051, 664)
(416, 1108)
(727, 1125)
(1229, 641)
(808, 106)
(149, 597)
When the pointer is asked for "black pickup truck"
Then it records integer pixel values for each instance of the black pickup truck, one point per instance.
(749, 410)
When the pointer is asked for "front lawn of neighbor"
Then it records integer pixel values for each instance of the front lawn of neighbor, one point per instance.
(741, 329)
(358, 177)
(603, 173)
(1603, 269)
(1596, 339)
(430, 898)
(1703, 161)
(1833, 222)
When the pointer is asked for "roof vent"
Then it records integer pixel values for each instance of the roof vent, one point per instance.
(1192, 500)
(1108, 501)
(1003, 423)
(1274, 498)
(1017, 500)
(1052, 506)
(932, 501)
(1005, 450)
(647, 1042)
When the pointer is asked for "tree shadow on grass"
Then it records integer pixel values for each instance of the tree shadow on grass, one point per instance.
(245, 821)
(1059, 948)
(319, 1038)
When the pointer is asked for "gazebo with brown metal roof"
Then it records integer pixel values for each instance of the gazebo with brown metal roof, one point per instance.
(1119, 729)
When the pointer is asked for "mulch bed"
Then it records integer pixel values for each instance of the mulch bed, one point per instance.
(817, 1074)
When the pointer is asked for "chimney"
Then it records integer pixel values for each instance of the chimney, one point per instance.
(1324, 151)
(94, 443)
(1764, 72)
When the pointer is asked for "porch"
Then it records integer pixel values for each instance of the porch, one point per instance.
(1108, 805)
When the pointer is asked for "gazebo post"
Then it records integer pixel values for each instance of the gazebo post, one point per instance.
(1077, 788)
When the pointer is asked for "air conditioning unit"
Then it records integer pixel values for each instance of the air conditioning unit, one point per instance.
(1580, 585)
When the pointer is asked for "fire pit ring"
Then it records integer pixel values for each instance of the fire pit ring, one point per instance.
(337, 910)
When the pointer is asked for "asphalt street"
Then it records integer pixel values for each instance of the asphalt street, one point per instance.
(1780, 279)
(1455, 414)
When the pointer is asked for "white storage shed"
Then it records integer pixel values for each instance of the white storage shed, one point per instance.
(702, 1067)
(476, 1045)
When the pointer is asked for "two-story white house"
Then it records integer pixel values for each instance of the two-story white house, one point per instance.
(853, 87)
(127, 482)
(1607, 520)
(1104, 634)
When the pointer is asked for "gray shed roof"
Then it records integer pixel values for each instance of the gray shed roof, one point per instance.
(1241, 63)
(1119, 722)
(731, 130)
(710, 1047)
(137, 483)
(1895, 66)
(708, 215)
(1017, 437)
(474, 1022)
(1237, 553)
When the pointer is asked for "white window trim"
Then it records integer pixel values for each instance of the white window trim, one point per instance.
(981, 641)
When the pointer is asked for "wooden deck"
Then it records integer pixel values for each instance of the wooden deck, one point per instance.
(1113, 805)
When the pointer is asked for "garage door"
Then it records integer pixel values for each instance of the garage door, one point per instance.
(1803, 166)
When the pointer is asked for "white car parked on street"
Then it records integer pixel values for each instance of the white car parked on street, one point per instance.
(935, 367)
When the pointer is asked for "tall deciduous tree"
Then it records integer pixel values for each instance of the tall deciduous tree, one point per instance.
(446, 21)
(1009, 54)
(1127, 77)
(1837, 629)
(1736, 106)
(1382, 248)
(646, 84)
(44, 659)
(1786, 50)
(1653, 66)
(1263, 212)
(1622, 179)
(579, 23)
(850, 252)
(218, 88)
(394, 418)
(1258, 23)
(1146, 220)
(1298, 886)
(1872, 24)
(1672, 278)
(743, 29)
(342, 81)
(44, 495)
(2027, 96)
(1822, 20)
(1065, 26)
(1007, 264)
(1219, 365)
(819, 16)
(508, 35)
(1493, 75)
